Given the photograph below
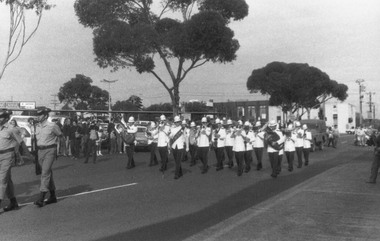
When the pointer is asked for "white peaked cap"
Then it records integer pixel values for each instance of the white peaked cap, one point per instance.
(217, 121)
(246, 123)
(162, 117)
(131, 119)
(184, 122)
(297, 123)
(204, 119)
(304, 126)
(152, 124)
(192, 124)
(240, 122)
(229, 122)
(272, 123)
(258, 124)
(290, 126)
(177, 118)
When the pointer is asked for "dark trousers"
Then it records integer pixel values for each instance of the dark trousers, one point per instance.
(299, 155)
(153, 156)
(184, 154)
(259, 155)
(193, 153)
(163, 150)
(75, 147)
(219, 157)
(239, 156)
(331, 141)
(203, 155)
(306, 152)
(230, 155)
(290, 158)
(273, 159)
(374, 168)
(130, 149)
(177, 154)
(91, 149)
(279, 163)
(248, 160)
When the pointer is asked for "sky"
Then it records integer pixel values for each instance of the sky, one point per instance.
(340, 37)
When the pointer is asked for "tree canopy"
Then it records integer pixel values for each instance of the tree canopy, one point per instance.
(295, 86)
(133, 33)
(79, 93)
(134, 103)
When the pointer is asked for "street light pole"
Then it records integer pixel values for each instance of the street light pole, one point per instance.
(109, 95)
(361, 89)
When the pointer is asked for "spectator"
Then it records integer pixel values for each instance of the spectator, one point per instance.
(66, 129)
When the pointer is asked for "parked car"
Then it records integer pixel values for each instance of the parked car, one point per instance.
(141, 138)
(318, 131)
(351, 131)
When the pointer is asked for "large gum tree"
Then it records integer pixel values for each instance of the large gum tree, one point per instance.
(21, 29)
(181, 34)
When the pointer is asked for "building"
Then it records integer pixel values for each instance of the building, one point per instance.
(244, 110)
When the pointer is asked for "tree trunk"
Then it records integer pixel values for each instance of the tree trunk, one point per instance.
(175, 100)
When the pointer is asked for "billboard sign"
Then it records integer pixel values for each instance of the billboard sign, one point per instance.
(18, 105)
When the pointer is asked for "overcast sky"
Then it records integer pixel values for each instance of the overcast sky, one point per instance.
(340, 37)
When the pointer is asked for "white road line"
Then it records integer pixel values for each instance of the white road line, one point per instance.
(88, 192)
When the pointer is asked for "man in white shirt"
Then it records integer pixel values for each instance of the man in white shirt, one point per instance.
(204, 144)
(229, 143)
(275, 140)
(239, 147)
(177, 142)
(131, 129)
(307, 139)
(258, 144)
(152, 135)
(219, 136)
(290, 146)
(299, 142)
(193, 143)
(163, 141)
(186, 132)
(248, 137)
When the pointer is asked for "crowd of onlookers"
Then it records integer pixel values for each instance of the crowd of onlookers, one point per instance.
(364, 136)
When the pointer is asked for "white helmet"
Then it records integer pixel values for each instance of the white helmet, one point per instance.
(152, 124)
(177, 118)
(246, 123)
(297, 123)
(217, 121)
(240, 123)
(192, 124)
(258, 124)
(304, 126)
(272, 123)
(229, 122)
(290, 127)
(204, 120)
(131, 119)
(184, 122)
(162, 118)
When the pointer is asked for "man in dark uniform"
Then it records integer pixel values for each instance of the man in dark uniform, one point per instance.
(46, 134)
(8, 138)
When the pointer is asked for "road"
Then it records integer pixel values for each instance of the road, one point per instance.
(105, 201)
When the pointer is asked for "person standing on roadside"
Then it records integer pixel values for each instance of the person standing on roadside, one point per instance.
(46, 135)
(66, 135)
(299, 142)
(8, 138)
(376, 161)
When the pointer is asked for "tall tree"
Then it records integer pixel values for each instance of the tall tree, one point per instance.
(295, 86)
(131, 33)
(19, 34)
(79, 93)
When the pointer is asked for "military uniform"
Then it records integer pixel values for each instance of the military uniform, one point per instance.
(46, 135)
(299, 143)
(307, 139)
(178, 141)
(163, 141)
(8, 140)
(219, 136)
(239, 148)
(258, 145)
(229, 143)
(204, 144)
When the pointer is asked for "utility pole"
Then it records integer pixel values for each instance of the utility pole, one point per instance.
(109, 95)
(370, 103)
(361, 89)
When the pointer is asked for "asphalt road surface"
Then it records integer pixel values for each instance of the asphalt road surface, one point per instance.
(105, 201)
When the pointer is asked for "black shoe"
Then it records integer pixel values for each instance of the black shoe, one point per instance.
(39, 203)
(247, 169)
(219, 168)
(231, 165)
(273, 175)
(176, 177)
(299, 166)
(204, 170)
(290, 169)
(10, 207)
(239, 173)
(51, 200)
(192, 164)
(85, 162)
(306, 163)
(259, 167)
